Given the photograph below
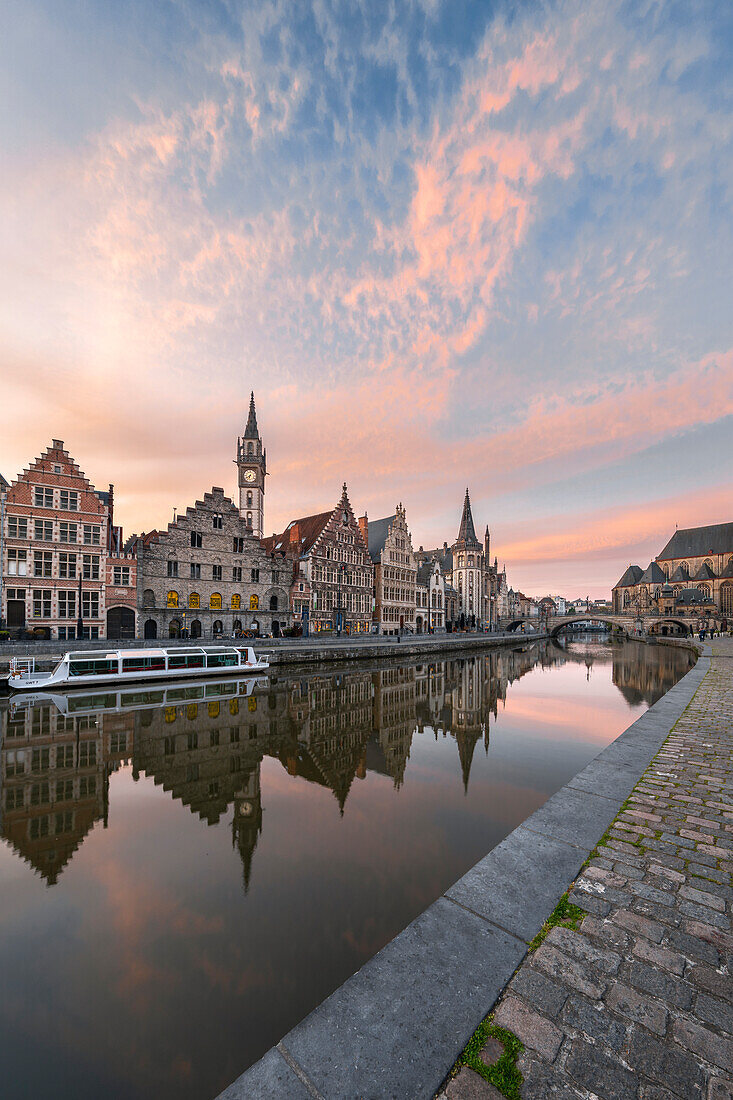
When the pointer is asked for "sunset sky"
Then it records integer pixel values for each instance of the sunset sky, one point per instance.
(446, 243)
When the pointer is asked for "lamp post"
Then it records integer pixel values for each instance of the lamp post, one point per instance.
(2, 549)
(341, 571)
(80, 619)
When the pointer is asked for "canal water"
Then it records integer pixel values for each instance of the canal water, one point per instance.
(185, 872)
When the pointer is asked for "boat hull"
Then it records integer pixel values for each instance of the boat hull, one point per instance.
(43, 683)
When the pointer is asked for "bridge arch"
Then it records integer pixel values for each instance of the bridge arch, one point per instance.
(567, 620)
(662, 627)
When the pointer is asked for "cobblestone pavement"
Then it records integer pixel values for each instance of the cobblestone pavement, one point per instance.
(638, 1002)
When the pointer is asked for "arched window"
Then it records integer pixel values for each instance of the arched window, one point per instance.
(249, 519)
(709, 563)
(171, 599)
(148, 598)
(249, 499)
(254, 603)
(685, 568)
(236, 602)
(215, 601)
(194, 600)
(273, 603)
(250, 448)
(726, 598)
(703, 588)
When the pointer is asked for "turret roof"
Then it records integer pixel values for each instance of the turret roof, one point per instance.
(632, 576)
(251, 431)
(652, 574)
(467, 532)
(696, 542)
(704, 573)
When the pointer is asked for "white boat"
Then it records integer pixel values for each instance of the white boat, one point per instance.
(87, 667)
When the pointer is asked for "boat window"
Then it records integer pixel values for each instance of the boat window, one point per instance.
(221, 660)
(92, 668)
(179, 694)
(143, 664)
(142, 698)
(185, 660)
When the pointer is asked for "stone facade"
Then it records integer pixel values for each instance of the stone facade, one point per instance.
(208, 576)
(57, 533)
(395, 573)
(252, 471)
(328, 554)
(690, 581)
(431, 603)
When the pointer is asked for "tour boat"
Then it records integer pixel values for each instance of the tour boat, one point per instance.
(86, 667)
(116, 699)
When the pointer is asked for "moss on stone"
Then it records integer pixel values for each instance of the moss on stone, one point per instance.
(503, 1074)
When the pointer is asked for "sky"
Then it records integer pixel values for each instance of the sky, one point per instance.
(445, 243)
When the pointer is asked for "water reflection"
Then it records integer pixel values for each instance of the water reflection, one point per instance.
(204, 742)
(212, 859)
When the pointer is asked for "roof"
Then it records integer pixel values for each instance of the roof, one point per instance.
(696, 542)
(443, 555)
(728, 571)
(652, 574)
(251, 432)
(3, 483)
(309, 528)
(424, 571)
(378, 531)
(704, 573)
(467, 532)
(679, 575)
(103, 496)
(632, 576)
(692, 596)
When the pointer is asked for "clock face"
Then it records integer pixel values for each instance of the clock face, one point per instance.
(250, 475)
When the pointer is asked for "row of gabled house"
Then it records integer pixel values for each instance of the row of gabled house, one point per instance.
(66, 572)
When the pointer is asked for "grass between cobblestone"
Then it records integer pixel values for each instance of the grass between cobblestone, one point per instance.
(504, 1074)
(565, 914)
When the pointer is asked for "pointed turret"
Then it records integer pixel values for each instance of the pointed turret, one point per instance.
(251, 431)
(467, 532)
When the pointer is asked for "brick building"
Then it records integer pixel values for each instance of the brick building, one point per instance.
(328, 555)
(207, 576)
(395, 572)
(57, 531)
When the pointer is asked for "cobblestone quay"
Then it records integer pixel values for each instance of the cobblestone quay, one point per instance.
(636, 1000)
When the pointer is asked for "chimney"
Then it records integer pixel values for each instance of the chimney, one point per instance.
(364, 528)
(295, 534)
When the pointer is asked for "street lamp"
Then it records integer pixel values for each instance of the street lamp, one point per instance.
(341, 571)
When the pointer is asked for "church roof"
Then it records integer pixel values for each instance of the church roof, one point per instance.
(728, 571)
(378, 531)
(704, 573)
(652, 574)
(692, 596)
(632, 576)
(251, 432)
(467, 532)
(696, 542)
(679, 575)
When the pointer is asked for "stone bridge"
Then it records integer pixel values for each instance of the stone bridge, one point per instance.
(627, 624)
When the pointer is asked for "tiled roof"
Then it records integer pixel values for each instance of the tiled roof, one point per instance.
(704, 573)
(467, 532)
(378, 531)
(696, 542)
(652, 574)
(632, 576)
(309, 528)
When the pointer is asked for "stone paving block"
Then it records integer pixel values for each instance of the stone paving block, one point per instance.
(577, 817)
(593, 1069)
(612, 780)
(593, 1018)
(532, 1029)
(271, 1076)
(467, 1085)
(640, 925)
(578, 947)
(637, 1007)
(694, 948)
(394, 1029)
(567, 971)
(664, 1062)
(720, 1089)
(649, 979)
(491, 1051)
(541, 1082)
(711, 980)
(714, 1010)
(534, 986)
(671, 961)
(701, 1040)
(519, 882)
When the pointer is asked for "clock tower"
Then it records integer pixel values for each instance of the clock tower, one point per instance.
(252, 466)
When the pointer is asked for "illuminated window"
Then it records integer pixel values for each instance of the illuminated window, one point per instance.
(236, 602)
(194, 600)
(172, 599)
(254, 603)
(215, 601)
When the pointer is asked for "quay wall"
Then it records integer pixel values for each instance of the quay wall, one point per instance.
(395, 1027)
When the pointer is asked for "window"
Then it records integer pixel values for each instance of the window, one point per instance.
(17, 527)
(17, 564)
(216, 572)
(57, 470)
(194, 600)
(238, 546)
(67, 604)
(172, 568)
(249, 499)
(91, 534)
(121, 574)
(67, 566)
(196, 540)
(42, 497)
(90, 605)
(215, 601)
(64, 756)
(249, 519)
(87, 754)
(195, 571)
(254, 603)
(236, 602)
(237, 573)
(68, 501)
(43, 530)
(67, 531)
(171, 599)
(273, 603)
(90, 567)
(275, 576)
(217, 521)
(255, 576)
(41, 603)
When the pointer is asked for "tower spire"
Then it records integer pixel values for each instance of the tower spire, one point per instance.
(251, 432)
(467, 531)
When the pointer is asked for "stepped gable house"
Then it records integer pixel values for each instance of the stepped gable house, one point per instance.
(64, 572)
(331, 573)
(207, 576)
(691, 580)
(395, 572)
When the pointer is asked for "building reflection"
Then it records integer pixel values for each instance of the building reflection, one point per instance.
(204, 743)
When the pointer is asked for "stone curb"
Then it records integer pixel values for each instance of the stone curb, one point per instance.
(395, 1028)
